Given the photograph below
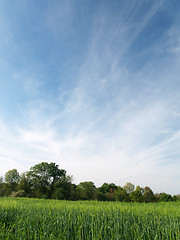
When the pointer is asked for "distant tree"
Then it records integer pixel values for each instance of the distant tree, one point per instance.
(108, 190)
(164, 197)
(108, 187)
(63, 189)
(20, 193)
(43, 177)
(46, 180)
(24, 185)
(129, 187)
(174, 198)
(2, 187)
(122, 195)
(157, 196)
(12, 178)
(178, 197)
(99, 196)
(104, 188)
(148, 195)
(86, 190)
(5, 190)
(137, 195)
(110, 196)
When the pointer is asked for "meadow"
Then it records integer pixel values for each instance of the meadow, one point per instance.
(23, 218)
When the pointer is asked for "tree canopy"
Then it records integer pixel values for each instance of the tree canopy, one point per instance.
(44, 176)
(47, 180)
(12, 176)
(129, 187)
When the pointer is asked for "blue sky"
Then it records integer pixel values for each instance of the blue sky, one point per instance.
(93, 86)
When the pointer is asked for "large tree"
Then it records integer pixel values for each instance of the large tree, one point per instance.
(86, 190)
(12, 178)
(108, 187)
(63, 189)
(148, 195)
(129, 187)
(24, 184)
(137, 195)
(122, 195)
(43, 177)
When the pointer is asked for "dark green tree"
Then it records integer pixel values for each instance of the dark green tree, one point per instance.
(129, 187)
(99, 196)
(177, 197)
(63, 189)
(164, 197)
(174, 198)
(148, 195)
(12, 178)
(137, 195)
(108, 187)
(5, 190)
(43, 177)
(24, 185)
(122, 195)
(86, 190)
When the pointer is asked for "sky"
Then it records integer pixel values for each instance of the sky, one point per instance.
(94, 86)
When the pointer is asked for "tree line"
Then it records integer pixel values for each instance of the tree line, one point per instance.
(47, 180)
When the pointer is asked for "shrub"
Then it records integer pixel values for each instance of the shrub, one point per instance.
(20, 193)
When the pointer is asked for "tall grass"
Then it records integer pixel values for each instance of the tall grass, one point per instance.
(52, 219)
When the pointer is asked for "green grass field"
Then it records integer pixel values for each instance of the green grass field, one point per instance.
(53, 219)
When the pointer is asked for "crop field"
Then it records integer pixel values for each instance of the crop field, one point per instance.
(22, 218)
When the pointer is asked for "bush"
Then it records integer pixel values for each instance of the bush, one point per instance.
(20, 193)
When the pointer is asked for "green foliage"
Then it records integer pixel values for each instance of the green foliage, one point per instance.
(164, 197)
(63, 189)
(24, 184)
(178, 197)
(20, 193)
(12, 178)
(148, 195)
(47, 181)
(99, 196)
(31, 219)
(108, 187)
(129, 187)
(44, 176)
(137, 195)
(121, 195)
(86, 190)
(5, 190)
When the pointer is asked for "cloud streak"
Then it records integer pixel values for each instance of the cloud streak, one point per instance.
(116, 121)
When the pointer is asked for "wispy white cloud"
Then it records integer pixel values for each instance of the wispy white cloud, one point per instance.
(114, 124)
(147, 17)
(174, 41)
(30, 85)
